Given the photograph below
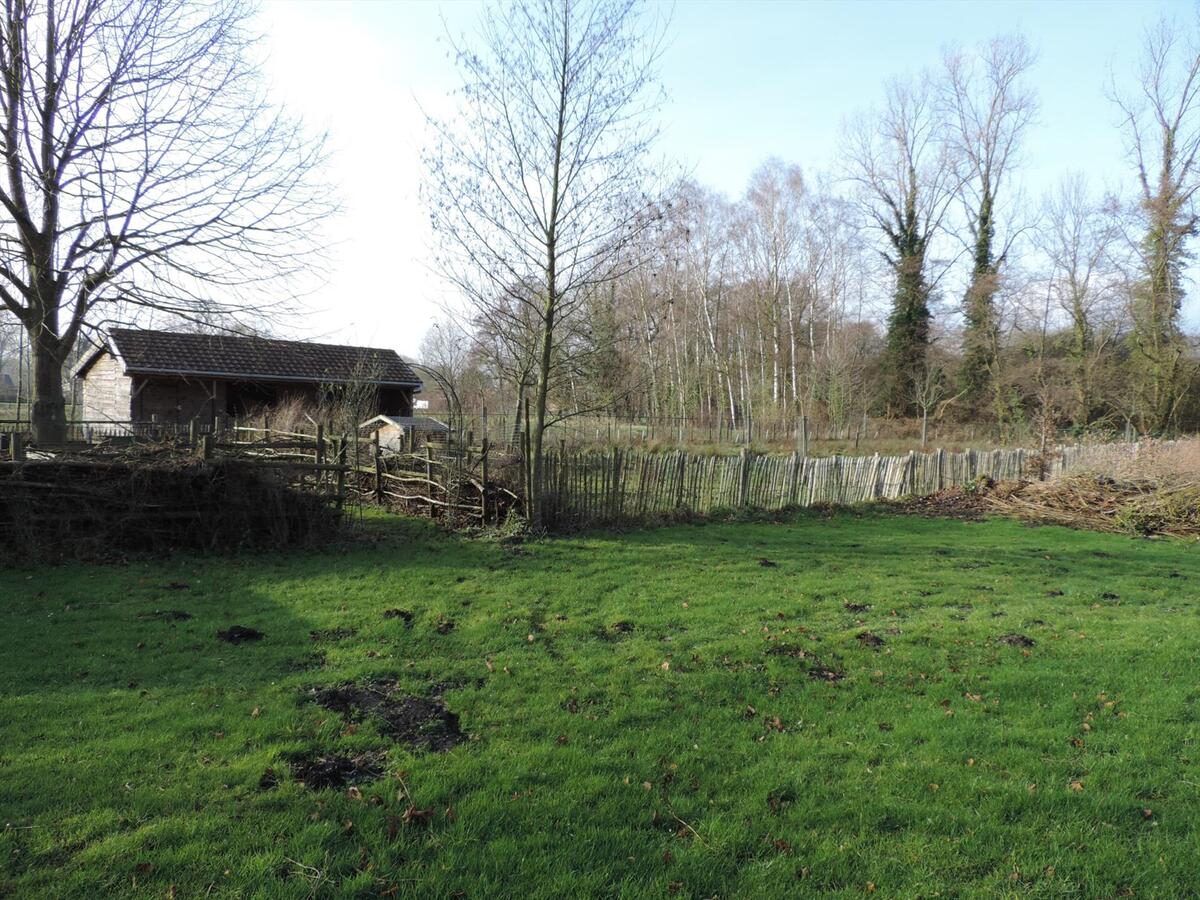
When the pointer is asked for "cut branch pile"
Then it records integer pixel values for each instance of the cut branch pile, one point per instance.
(1128, 506)
(146, 500)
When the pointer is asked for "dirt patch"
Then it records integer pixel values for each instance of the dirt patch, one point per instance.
(867, 639)
(622, 627)
(332, 634)
(417, 722)
(824, 673)
(767, 563)
(238, 634)
(857, 607)
(166, 615)
(445, 626)
(325, 772)
(1016, 640)
(399, 614)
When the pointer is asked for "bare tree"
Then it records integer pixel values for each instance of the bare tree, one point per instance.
(771, 234)
(540, 181)
(143, 168)
(1161, 119)
(987, 109)
(1078, 236)
(900, 166)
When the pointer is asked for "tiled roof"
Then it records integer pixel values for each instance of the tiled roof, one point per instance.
(254, 358)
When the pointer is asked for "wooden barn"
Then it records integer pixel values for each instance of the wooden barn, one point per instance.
(163, 376)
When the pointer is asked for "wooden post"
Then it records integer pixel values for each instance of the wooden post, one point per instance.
(802, 436)
(340, 451)
(744, 475)
(206, 447)
(483, 475)
(17, 440)
(192, 433)
(429, 477)
(378, 457)
(320, 460)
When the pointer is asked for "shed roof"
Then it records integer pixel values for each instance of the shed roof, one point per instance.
(227, 356)
(416, 423)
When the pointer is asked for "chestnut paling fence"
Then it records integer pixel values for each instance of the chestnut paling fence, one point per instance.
(582, 488)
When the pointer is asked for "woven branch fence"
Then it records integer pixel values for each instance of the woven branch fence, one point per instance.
(586, 488)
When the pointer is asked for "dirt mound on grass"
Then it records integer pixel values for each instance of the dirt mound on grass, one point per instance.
(325, 772)
(420, 723)
(239, 634)
(1016, 640)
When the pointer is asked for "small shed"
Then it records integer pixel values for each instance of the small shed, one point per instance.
(162, 376)
(394, 431)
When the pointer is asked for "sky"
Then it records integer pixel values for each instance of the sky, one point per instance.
(744, 81)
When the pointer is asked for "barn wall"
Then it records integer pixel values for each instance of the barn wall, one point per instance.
(396, 401)
(178, 400)
(106, 391)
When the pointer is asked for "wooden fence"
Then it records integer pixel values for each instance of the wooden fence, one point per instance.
(584, 488)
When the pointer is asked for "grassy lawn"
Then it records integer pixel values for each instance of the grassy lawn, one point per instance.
(655, 714)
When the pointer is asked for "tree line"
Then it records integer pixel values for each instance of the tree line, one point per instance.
(917, 277)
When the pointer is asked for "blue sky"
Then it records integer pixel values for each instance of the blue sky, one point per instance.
(745, 80)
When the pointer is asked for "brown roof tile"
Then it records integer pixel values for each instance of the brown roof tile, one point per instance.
(253, 358)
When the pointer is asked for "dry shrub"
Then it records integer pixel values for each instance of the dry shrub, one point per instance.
(293, 413)
(1162, 463)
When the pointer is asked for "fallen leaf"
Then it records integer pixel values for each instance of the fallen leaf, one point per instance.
(417, 816)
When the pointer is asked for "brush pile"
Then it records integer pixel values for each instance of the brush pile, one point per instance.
(1148, 488)
(89, 506)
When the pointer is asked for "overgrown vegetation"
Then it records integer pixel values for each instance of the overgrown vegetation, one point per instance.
(833, 706)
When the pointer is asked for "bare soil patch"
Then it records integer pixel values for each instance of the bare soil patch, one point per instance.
(239, 634)
(420, 723)
(1016, 640)
(325, 772)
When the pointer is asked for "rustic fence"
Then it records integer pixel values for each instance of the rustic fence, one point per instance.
(583, 488)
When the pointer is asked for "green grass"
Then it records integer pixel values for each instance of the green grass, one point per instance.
(681, 758)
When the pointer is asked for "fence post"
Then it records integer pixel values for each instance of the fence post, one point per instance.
(483, 475)
(340, 449)
(378, 457)
(206, 447)
(18, 446)
(744, 486)
(429, 477)
(679, 490)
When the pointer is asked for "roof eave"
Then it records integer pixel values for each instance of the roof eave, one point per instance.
(249, 376)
